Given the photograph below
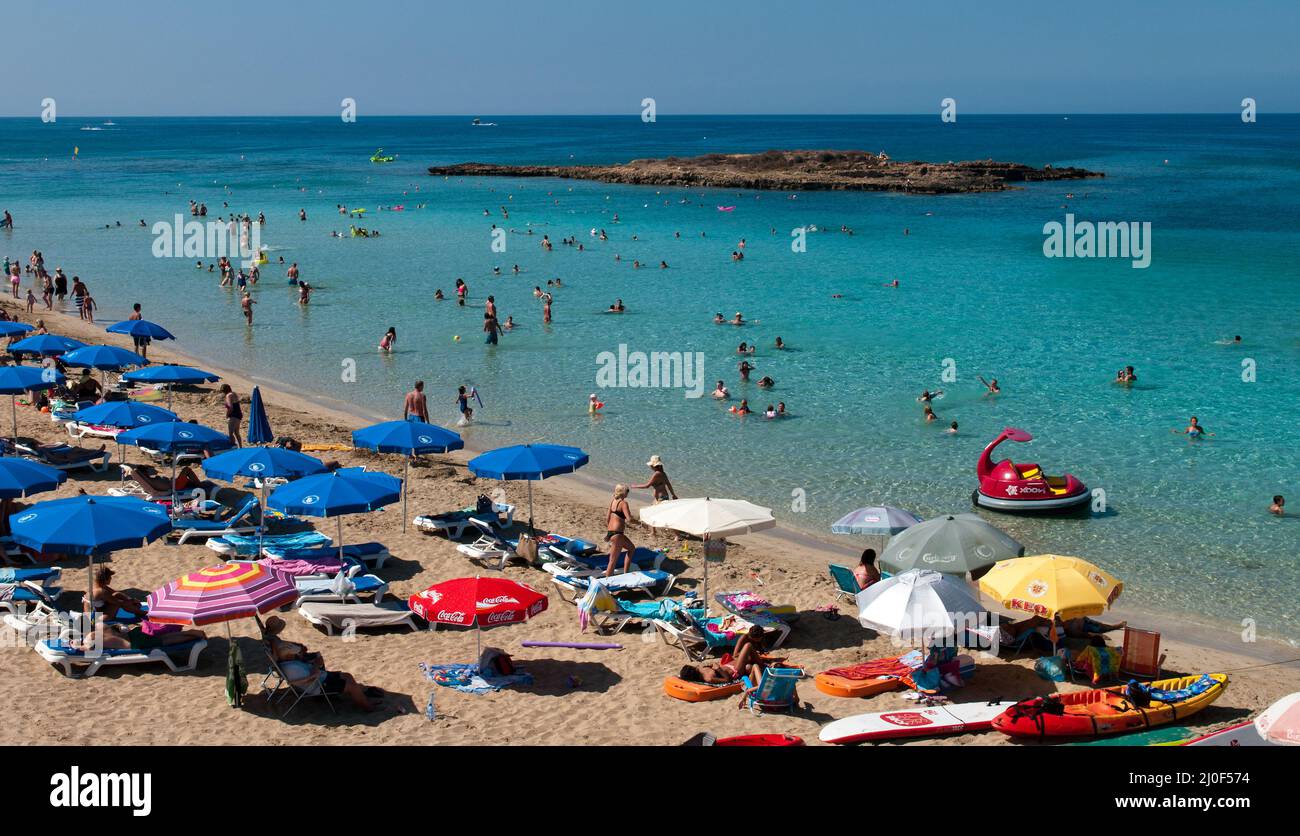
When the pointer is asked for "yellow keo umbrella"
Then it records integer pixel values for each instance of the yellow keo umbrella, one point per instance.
(1051, 586)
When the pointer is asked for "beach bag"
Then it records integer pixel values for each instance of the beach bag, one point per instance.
(527, 548)
(483, 505)
(1050, 668)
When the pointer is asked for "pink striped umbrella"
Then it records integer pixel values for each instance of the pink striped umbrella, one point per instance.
(222, 593)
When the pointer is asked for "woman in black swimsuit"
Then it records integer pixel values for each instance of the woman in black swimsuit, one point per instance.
(616, 531)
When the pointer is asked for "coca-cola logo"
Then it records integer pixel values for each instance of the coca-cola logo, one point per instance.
(500, 617)
(456, 617)
(500, 599)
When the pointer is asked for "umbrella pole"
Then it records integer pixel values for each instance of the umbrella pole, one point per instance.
(340, 518)
(406, 477)
(13, 402)
(705, 597)
(173, 509)
(530, 506)
(261, 520)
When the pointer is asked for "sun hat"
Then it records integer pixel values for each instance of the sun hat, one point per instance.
(655, 461)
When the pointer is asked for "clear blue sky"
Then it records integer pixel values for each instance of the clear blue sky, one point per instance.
(226, 57)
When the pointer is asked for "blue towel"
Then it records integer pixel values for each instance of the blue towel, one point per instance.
(468, 679)
(248, 544)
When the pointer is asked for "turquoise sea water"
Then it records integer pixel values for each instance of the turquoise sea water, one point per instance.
(1187, 528)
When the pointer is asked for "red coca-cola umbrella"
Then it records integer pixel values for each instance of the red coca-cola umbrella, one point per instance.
(481, 602)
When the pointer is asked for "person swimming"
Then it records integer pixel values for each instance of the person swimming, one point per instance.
(766, 382)
(1193, 430)
(617, 307)
(927, 396)
(744, 368)
(738, 319)
(718, 318)
(952, 430)
(770, 412)
(1278, 508)
(780, 344)
(720, 391)
(743, 409)
(929, 414)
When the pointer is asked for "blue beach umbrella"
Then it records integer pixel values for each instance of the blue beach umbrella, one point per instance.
(259, 428)
(261, 463)
(89, 525)
(176, 437)
(879, 520)
(8, 328)
(345, 491)
(22, 478)
(410, 438)
(18, 380)
(172, 375)
(138, 328)
(103, 357)
(124, 414)
(530, 462)
(46, 345)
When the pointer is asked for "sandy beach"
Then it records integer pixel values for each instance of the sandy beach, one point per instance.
(578, 697)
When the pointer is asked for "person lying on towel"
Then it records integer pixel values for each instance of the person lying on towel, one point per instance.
(747, 660)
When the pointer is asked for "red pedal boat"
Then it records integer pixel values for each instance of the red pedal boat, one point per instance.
(1024, 488)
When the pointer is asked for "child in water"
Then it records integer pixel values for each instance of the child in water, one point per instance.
(386, 342)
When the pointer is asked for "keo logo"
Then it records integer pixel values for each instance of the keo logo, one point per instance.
(113, 789)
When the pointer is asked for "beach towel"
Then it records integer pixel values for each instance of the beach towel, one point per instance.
(299, 567)
(469, 679)
(900, 667)
(743, 601)
(241, 544)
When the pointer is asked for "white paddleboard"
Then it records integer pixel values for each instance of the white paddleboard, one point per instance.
(1242, 734)
(914, 722)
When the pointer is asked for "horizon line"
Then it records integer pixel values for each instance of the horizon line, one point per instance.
(635, 114)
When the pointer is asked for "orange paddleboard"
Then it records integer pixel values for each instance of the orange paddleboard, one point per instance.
(838, 686)
(699, 691)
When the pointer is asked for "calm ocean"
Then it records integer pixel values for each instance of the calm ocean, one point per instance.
(1187, 527)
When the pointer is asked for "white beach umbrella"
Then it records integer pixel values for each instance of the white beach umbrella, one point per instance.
(1280, 722)
(712, 519)
(919, 605)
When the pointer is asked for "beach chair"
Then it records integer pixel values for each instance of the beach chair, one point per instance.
(313, 690)
(775, 691)
(697, 636)
(345, 617)
(491, 547)
(1141, 658)
(62, 456)
(846, 583)
(371, 554)
(344, 587)
(745, 603)
(245, 543)
(177, 657)
(590, 565)
(20, 596)
(452, 524)
(147, 483)
(653, 582)
(986, 637)
(79, 431)
(239, 522)
(45, 576)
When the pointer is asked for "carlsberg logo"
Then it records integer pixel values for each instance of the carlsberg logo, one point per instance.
(655, 370)
(1108, 239)
(109, 789)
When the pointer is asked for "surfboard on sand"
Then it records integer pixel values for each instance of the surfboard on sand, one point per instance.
(1242, 734)
(1162, 736)
(914, 722)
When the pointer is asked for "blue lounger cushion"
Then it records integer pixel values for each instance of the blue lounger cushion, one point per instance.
(68, 650)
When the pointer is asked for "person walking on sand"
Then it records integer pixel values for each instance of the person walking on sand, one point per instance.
(141, 342)
(247, 303)
(616, 531)
(234, 412)
(658, 482)
(415, 405)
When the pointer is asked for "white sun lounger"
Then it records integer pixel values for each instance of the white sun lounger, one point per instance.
(78, 431)
(64, 657)
(572, 588)
(454, 524)
(344, 617)
(343, 587)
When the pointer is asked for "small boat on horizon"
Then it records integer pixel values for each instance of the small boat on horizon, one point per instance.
(479, 123)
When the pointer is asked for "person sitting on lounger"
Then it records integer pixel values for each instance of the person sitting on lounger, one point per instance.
(305, 669)
(866, 572)
(106, 600)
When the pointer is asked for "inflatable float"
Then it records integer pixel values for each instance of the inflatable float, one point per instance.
(680, 689)
(1024, 488)
(1113, 710)
(380, 157)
